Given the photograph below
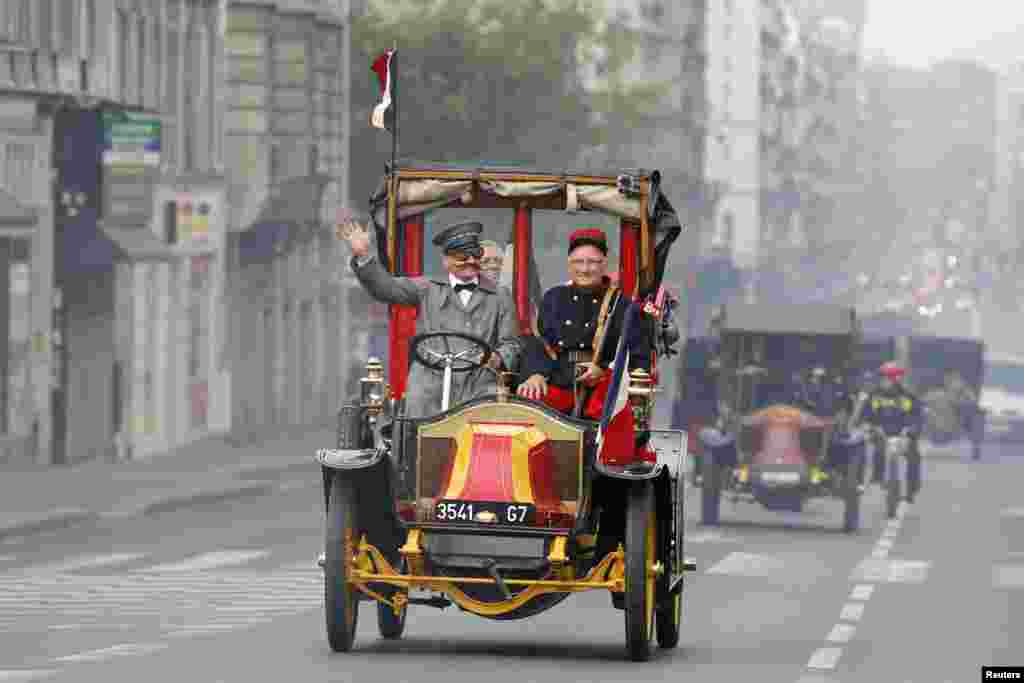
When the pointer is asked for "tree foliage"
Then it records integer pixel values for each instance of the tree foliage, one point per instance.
(498, 80)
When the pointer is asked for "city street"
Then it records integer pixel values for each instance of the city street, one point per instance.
(228, 592)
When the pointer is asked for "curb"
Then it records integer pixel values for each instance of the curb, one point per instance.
(58, 520)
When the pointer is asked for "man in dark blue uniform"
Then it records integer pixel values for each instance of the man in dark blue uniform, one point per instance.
(579, 326)
(894, 410)
(820, 396)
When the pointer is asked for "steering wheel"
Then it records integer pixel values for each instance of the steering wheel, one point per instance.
(472, 358)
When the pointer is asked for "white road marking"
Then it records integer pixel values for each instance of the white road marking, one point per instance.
(212, 560)
(707, 536)
(19, 675)
(747, 564)
(862, 592)
(891, 532)
(123, 650)
(884, 543)
(1013, 512)
(841, 633)
(825, 658)
(891, 571)
(880, 553)
(852, 611)
(89, 562)
(1008, 576)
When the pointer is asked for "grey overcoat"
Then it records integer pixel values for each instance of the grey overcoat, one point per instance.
(490, 315)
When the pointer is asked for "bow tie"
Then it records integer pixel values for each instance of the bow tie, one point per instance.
(468, 286)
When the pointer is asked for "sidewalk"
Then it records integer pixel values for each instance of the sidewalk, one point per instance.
(34, 498)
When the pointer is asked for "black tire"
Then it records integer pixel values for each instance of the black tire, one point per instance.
(851, 497)
(640, 585)
(341, 599)
(711, 493)
(392, 626)
(668, 621)
(892, 488)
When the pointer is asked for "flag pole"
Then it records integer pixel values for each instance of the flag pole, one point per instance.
(394, 103)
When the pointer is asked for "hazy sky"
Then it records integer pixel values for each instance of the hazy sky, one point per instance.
(918, 32)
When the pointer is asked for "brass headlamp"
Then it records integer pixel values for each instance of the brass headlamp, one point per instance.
(641, 397)
(372, 389)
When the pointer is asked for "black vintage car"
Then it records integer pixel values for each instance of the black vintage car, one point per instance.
(497, 504)
(769, 445)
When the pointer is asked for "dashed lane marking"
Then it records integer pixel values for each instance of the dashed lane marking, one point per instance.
(891, 571)
(880, 553)
(825, 658)
(1008, 576)
(884, 543)
(862, 592)
(852, 611)
(841, 633)
(212, 560)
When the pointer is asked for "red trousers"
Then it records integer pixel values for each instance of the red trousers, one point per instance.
(562, 400)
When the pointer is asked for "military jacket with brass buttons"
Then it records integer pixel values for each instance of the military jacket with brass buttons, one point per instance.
(567, 321)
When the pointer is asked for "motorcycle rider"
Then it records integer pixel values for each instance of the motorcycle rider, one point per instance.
(895, 411)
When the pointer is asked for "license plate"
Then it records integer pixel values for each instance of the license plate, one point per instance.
(477, 512)
(781, 477)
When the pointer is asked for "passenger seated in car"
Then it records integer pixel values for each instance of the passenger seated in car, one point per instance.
(579, 324)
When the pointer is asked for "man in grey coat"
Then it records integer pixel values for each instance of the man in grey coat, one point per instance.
(464, 302)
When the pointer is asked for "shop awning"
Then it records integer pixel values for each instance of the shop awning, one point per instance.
(137, 242)
(293, 207)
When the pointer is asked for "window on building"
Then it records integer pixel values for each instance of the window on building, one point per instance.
(67, 40)
(44, 27)
(141, 63)
(191, 63)
(169, 144)
(88, 27)
(123, 40)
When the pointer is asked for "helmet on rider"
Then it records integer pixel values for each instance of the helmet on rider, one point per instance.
(892, 373)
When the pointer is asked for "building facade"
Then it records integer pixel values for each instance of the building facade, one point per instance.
(132, 158)
(289, 335)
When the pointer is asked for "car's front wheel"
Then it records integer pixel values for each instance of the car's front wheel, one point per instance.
(341, 599)
(641, 583)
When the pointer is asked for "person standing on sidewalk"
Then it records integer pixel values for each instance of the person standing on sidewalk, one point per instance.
(463, 300)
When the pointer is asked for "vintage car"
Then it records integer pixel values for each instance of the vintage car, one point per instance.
(767, 446)
(495, 503)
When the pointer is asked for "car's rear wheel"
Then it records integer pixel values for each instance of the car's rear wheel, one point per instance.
(392, 625)
(641, 582)
(669, 620)
(341, 599)
(851, 496)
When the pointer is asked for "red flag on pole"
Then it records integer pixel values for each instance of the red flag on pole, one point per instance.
(383, 116)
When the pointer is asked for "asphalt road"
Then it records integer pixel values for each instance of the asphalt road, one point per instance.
(228, 592)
